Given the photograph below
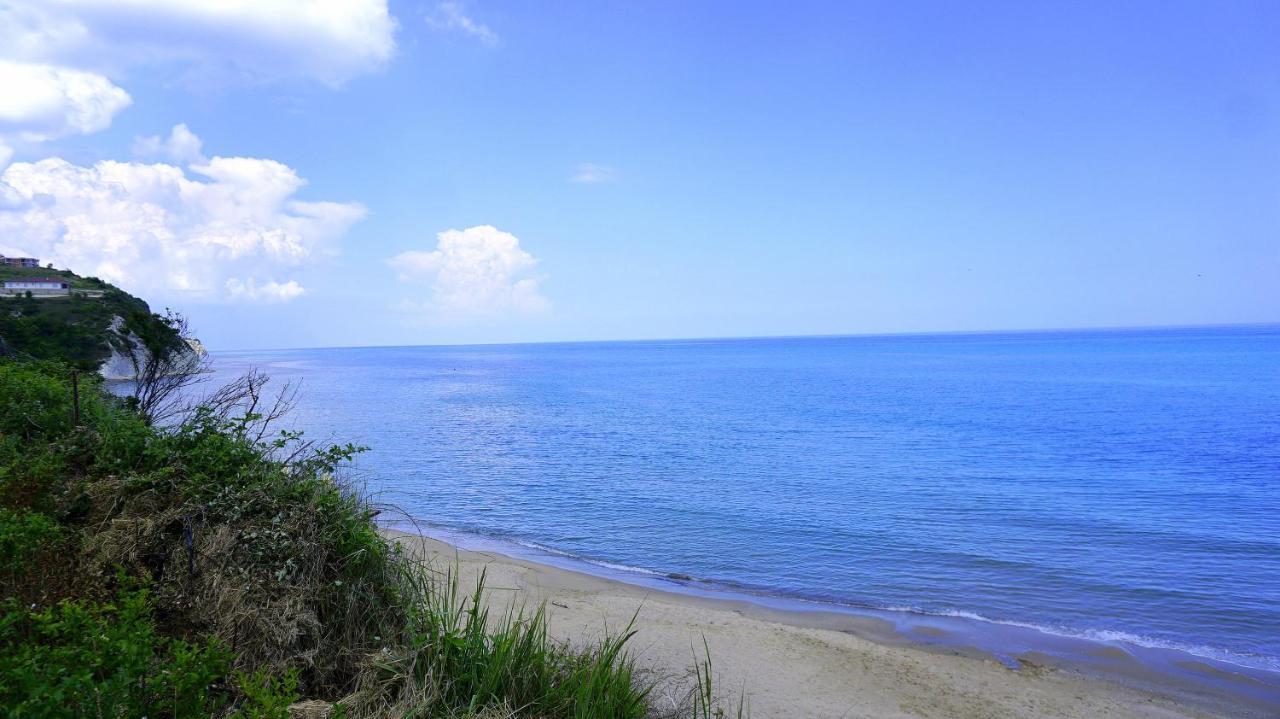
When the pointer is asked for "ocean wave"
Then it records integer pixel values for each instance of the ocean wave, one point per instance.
(586, 560)
(1111, 636)
(453, 535)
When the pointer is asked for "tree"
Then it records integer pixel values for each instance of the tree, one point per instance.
(164, 364)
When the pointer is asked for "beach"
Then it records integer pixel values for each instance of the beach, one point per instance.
(824, 664)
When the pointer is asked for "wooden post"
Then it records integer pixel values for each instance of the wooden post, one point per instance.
(75, 398)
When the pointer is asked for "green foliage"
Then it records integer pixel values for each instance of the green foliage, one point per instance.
(42, 453)
(31, 481)
(460, 660)
(266, 696)
(85, 659)
(35, 402)
(23, 536)
(122, 442)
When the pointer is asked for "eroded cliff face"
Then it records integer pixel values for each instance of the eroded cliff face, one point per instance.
(129, 353)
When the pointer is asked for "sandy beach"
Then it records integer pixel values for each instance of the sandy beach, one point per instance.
(817, 664)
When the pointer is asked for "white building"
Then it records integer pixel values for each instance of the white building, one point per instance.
(19, 261)
(37, 286)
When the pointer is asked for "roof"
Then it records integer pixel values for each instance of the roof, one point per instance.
(59, 280)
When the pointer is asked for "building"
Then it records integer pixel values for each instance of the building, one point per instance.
(19, 261)
(45, 286)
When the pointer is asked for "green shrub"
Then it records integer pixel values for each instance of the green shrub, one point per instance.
(266, 696)
(35, 401)
(23, 536)
(105, 660)
(42, 452)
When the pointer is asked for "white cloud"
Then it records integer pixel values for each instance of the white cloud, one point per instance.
(265, 292)
(450, 17)
(33, 30)
(230, 230)
(591, 173)
(59, 60)
(182, 145)
(477, 272)
(224, 228)
(328, 40)
(41, 102)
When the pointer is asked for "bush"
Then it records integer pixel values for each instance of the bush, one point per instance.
(107, 660)
(266, 696)
(23, 536)
(43, 454)
(35, 401)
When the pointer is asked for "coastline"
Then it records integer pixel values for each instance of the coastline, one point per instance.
(791, 661)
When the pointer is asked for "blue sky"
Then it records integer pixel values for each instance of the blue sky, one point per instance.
(498, 172)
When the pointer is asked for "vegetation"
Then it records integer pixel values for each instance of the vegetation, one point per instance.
(89, 659)
(76, 329)
(215, 567)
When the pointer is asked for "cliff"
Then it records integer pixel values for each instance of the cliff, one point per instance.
(97, 327)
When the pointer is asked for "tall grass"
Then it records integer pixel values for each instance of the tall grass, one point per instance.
(462, 660)
(705, 703)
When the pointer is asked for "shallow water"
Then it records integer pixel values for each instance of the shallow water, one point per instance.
(1120, 485)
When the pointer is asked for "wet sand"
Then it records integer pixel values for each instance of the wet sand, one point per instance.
(833, 664)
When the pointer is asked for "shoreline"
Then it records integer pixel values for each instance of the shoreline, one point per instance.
(791, 658)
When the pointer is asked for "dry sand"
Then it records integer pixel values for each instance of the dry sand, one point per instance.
(802, 664)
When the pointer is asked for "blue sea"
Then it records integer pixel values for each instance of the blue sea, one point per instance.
(1122, 485)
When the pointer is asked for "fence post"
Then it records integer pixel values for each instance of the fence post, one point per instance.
(75, 398)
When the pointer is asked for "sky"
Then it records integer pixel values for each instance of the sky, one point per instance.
(304, 173)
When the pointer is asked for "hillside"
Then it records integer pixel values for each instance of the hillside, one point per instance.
(84, 329)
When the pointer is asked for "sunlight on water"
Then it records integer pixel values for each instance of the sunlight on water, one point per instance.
(1118, 483)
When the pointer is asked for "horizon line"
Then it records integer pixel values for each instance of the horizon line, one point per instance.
(834, 335)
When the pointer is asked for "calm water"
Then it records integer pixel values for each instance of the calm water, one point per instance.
(1118, 484)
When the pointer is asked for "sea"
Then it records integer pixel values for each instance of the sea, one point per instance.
(1114, 485)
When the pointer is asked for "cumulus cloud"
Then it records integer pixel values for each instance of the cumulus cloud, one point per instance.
(477, 272)
(182, 145)
(230, 228)
(258, 39)
(41, 102)
(450, 17)
(590, 173)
